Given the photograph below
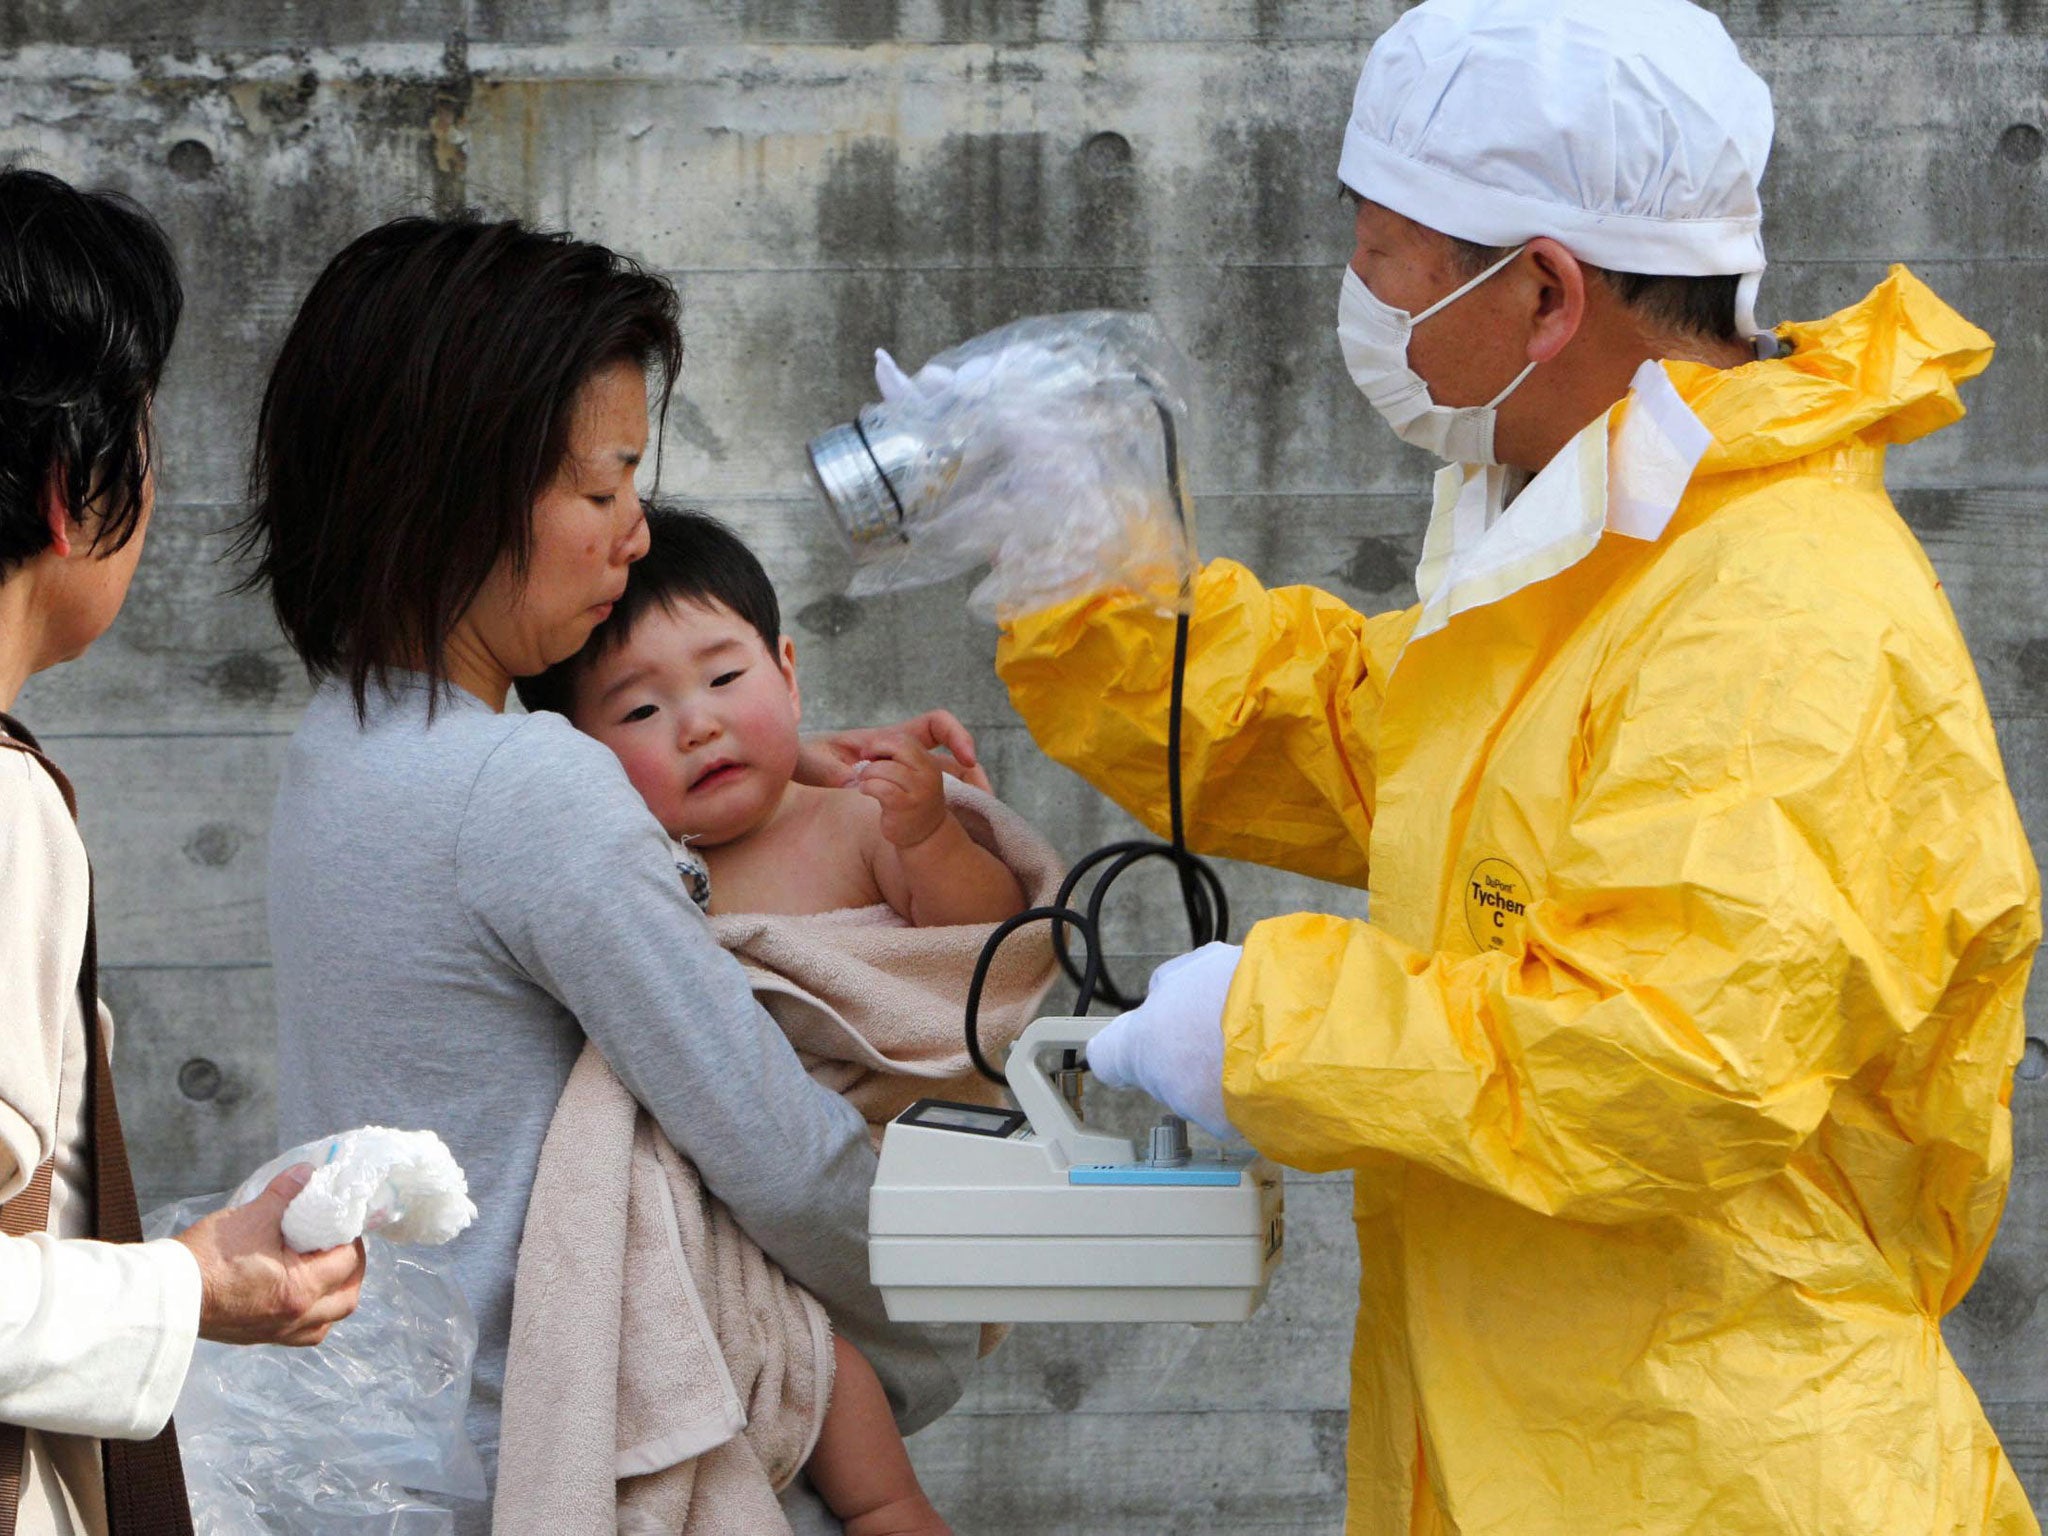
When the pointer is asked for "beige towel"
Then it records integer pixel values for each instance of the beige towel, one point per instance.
(875, 1007)
(663, 1376)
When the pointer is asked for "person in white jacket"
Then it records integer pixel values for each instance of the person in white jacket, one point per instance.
(95, 1337)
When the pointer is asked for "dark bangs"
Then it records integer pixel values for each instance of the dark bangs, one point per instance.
(421, 403)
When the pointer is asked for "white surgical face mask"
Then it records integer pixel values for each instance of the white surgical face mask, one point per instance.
(1374, 336)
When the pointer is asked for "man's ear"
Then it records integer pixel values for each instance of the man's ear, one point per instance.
(1560, 299)
(785, 658)
(58, 517)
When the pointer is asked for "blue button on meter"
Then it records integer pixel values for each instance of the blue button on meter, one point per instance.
(1142, 1173)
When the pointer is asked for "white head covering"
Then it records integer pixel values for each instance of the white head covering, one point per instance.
(1629, 130)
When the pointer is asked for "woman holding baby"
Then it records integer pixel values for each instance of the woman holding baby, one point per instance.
(460, 897)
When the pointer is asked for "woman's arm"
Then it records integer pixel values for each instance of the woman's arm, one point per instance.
(561, 866)
(94, 1338)
(1280, 724)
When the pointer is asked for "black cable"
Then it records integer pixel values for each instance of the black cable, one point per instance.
(1202, 894)
(1059, 917)
(1208, 908)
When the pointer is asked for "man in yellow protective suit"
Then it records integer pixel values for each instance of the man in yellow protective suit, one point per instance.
(1674, 1063)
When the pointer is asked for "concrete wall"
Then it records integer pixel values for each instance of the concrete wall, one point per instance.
(823, 176)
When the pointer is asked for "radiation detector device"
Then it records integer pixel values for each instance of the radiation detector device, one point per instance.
(1026, 1215)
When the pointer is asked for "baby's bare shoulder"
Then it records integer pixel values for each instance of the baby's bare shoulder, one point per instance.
(847, 819)
(842, 824)
(832, 811)
(812, 858)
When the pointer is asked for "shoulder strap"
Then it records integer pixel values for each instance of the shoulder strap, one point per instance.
(15, 737)
(27, 1212)
(145, 1482)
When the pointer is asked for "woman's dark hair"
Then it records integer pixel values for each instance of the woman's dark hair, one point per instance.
(691, 558)
(89, 306)
(421, 403)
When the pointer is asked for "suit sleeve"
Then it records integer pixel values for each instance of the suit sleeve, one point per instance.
(1282, 707)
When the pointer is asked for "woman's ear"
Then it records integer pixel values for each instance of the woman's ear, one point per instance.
(785, 658)
(1560, 299)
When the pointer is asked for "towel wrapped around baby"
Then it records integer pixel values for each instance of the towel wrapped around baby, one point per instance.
(664, 1375)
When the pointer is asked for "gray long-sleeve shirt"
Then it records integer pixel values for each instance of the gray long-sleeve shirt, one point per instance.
(454, 907)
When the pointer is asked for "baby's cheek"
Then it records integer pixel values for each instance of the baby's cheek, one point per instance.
(773, 739)
(644, 769)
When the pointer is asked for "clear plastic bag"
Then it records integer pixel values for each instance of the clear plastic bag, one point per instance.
(352, 1438)
(1050, 449)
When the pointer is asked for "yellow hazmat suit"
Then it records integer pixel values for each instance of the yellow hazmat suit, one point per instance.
(1674, 1065)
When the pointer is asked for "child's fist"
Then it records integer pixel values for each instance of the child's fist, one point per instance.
(905, 781)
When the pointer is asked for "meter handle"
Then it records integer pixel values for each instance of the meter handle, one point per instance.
(1040, 1098)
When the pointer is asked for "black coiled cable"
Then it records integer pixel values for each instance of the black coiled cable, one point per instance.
(1208, 908)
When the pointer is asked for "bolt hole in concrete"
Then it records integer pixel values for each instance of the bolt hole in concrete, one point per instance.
(2022, 144)
(190, 160)
(829, 616)
(246, 677)
(1107, 154)
(214, 845)
(199, 1080)
(2034, 1060)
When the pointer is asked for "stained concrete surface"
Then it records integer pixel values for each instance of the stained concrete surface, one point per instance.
(821, 177)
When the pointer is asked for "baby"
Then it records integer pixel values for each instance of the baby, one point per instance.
(692, 684)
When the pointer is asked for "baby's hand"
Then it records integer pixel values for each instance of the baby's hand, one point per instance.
(829, 761)
(905, 781)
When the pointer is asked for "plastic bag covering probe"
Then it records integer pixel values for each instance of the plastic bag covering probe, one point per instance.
(1201, 889)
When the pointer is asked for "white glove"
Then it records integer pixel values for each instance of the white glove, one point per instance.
(893, 383)
(896, 386)
(1042, 461)
(1171, 1045)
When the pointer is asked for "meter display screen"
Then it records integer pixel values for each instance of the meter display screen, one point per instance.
(975, 1119)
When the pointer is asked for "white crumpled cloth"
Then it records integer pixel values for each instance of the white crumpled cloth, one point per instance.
(403, 1185)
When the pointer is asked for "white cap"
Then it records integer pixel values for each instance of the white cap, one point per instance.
(1628, 130)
